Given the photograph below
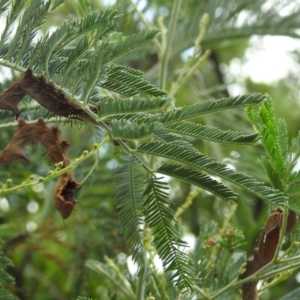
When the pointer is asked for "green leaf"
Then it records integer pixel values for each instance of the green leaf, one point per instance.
(272, 175)
(120, 106)
(199, 179)
(129, 196)
(283, 139)
(131, 42)
(6, 295)
(103, 21)
(211, 106)
(159, 217)
(4, 5)
(164, 136)
(293, 178)
(270, 138)
(211, 133)
(5, 278)
(106, 271)
(11, 19)
(32, 19)
(51, 43)
(293, 190)
(128, 82)
(73, 54)
(292, 160)
(189, 155)
(57, 3)
(132, 131)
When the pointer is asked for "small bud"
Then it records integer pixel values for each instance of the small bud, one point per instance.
(210, 241)
(41, 179)
(229, 234)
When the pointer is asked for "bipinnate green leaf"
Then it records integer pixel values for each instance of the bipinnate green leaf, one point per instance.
(189, 155)
(131, 42)
(211, 133)
(199, 179)
(211, 106)
(111, 106)
(128, 82)
(5, 278)
(132, 131)
(129, 181)
(160, 219)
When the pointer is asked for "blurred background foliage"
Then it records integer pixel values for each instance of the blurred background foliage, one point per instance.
(50, 254)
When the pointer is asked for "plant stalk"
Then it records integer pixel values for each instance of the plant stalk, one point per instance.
(165, 55)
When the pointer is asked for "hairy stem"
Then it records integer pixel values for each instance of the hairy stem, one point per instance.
(54, 173)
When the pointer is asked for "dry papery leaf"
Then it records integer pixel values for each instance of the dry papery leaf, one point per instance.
(266, 249)
(46, 95)
(57, 151)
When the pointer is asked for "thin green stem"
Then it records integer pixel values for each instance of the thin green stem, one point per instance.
(200, 291)
(165, 54)
(290, 260)
(279, 271)
(53, 173)
(282, 230)
(258, 275)
(140, 291)
(91, 169)
(184, 77)
(122, 287)
(147, 24)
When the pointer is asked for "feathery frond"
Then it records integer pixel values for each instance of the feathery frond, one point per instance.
(4, 5)
(159, 217)
(272, 174)
(293, 190)
(110, 106)
(210, 106)
(164, 136)
(132, 131)
(191, 156)
(131, 42)
(270, 138)
(103, 21)
(199, 179)
(293, 178)
(128, 82)
(57, 3)
(283, 139)
(268, 130)
(51, 43)
(129, 196)
(5, 278)
(271, 145)
(32, 19)
(211, 133)
(11, 19)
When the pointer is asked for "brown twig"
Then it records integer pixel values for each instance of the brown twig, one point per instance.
(46, 95)
(266, 249)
